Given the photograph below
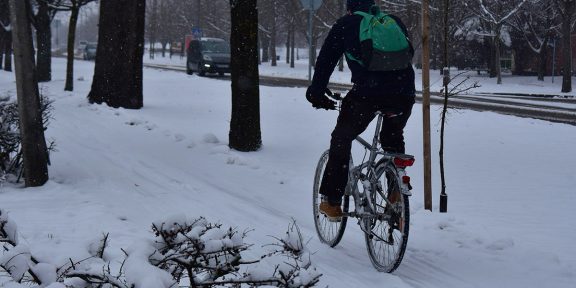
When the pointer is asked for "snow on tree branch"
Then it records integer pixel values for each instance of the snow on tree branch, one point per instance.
(494, 17)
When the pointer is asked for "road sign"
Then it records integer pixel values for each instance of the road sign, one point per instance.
(314, 4)
(197, 32)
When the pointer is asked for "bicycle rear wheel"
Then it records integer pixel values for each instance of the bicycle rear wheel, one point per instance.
(387, 237)
(329, 232)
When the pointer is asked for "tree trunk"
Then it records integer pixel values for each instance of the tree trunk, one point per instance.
(342, 8)
(273, 36)
(118, 66)
(245, 134)
(164, 45)
(69, 86)
(2, 48)
(8, 51)
(44, 42)
(265, 44)
(273, 55)
(34, 151)
(542, 60)
(446, 82)
(567, 46)
(259, 49)
(5, 18)
(292, 46)
(492, 59)
(442, 133)
(497, 64)
(288, 46)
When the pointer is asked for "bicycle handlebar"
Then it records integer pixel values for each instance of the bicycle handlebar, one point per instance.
(336, 96)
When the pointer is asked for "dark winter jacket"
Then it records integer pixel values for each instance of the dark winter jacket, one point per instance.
(381, 87)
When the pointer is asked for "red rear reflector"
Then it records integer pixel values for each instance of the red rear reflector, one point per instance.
(406, 179)
(404, 162)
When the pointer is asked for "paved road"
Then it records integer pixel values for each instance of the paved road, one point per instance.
(545, 107)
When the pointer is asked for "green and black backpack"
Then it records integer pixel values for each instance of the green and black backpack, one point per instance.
(384, 46)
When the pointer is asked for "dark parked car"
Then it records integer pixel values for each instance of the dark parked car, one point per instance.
(208, 55)
(90, 51)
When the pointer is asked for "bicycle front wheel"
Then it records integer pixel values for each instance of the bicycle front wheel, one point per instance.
(329, 232)
(387, 231)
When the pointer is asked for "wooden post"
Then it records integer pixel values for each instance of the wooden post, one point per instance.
(34, 151)
(426, 104)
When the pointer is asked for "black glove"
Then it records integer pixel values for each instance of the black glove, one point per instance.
(319, 100)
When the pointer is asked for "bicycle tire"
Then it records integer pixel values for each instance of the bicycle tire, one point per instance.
(387, 239)
(328, 232)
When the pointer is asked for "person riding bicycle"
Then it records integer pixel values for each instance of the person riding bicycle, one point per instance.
(391, 92)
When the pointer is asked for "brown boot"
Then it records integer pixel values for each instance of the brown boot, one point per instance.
(332, 212)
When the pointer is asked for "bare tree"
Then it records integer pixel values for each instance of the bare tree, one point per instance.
(537, 23)
(495, 14)
(88, 25)
(290, 19)
(245, 134)
(5, 36)
(42, 21)
(2, 33)
(74, 7)
(45, 12)
(118, 70)
(166, 24)
(152, 25)
(174, 19)
(34, 150)
(566, 10)
(4, 27)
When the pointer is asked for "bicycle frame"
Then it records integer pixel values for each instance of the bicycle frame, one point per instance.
(368, 179)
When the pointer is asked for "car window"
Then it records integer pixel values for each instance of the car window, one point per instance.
(215, 47)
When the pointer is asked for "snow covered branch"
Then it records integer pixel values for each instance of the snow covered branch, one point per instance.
(190, 252)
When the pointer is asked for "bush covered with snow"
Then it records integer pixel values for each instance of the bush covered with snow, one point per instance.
(10, 139)
(184, 252)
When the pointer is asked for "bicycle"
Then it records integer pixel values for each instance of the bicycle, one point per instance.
(380, 189)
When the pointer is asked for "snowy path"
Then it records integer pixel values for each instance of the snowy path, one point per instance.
(510, 183)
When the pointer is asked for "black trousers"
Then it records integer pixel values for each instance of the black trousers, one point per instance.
(354, 118)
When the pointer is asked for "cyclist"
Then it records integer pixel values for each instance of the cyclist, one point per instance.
(391, 92)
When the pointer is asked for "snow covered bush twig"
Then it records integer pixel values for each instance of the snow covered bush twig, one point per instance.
(184, 253)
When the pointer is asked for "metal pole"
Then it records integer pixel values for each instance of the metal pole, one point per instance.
(310, 11)
(426, 105)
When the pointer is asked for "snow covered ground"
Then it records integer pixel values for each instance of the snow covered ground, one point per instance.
(510, 183)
